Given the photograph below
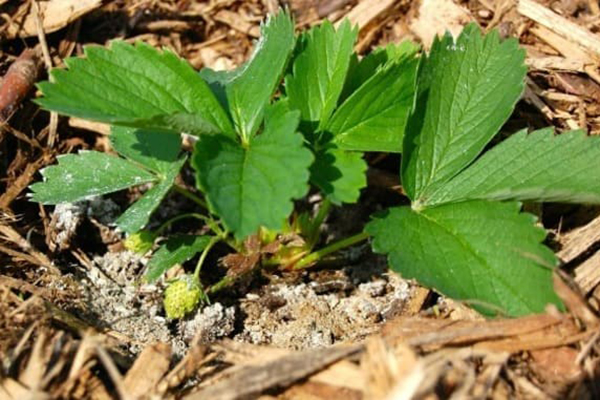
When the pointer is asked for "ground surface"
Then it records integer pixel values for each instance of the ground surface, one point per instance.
(75, 323)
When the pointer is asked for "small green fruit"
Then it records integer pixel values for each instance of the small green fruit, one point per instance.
(182, 296)
(140, 242)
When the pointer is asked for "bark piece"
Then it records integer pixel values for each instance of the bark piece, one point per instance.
(281, 372)
(148, 369)
(18, 82)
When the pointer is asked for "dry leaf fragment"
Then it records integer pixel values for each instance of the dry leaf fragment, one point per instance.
(56, 15)
(438, 16)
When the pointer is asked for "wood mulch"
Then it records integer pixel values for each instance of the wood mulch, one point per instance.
(47, 352)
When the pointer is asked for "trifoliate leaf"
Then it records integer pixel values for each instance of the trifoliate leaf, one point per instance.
(253, 186)
(176, 250)
(361, 70)
(135, 86)
(484, 252)
(182, 296)
(339, 174)
(251, 90)
(466, 92)
(373, 118)
(319, 70)
(539, 166)
(155, 150)
(89, 173)
(138, 214)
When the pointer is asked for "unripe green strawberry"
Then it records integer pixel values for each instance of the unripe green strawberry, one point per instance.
(140, 242)
(182, 296)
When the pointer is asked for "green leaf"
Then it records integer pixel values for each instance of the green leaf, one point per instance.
(319, 70)
(339, 174)
(193, 124)
(89, 173)
(132, 85)
(373, 118)
(138, 214)
(539, 166)
(485, 252)
(360, 71)
(253, 186)
(176, 250)
(466, 91)
(155, 150)
(218, 81)
(250, 91)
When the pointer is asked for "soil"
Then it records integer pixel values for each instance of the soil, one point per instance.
(296, 311)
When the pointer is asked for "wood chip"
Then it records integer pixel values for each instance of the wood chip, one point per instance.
(281, 372)
(235, 21)
(562, 26)
(587, 274)
(23, 180)
(13, 390)
(343, 373)
(367, 11)
(579, 240)
(98, 127)
(390, 371)
(555, 63)
(40, 355)
(531, 97)
(148, 369)
(113, 372)
(8, 234)
(509, 335)
(557, 364)
(574, 300)
(320, 391)
(565, 47)
(196, 356)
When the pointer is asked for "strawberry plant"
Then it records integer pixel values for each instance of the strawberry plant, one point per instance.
(464, 233)
(260, 144)
(300, 113)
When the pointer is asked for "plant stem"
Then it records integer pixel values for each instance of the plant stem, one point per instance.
(184, 192)
(318, 221)
(171, 221)
(305, 262)
(222, 284)
(210, 221)
(209, 246)
(212, 224)
(313, 257)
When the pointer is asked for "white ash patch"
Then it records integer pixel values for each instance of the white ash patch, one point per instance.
(116, 301)
(211, 323)
(66, 217)
(317, 314)
(123, 267)
(300, 317)
(373, 289)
